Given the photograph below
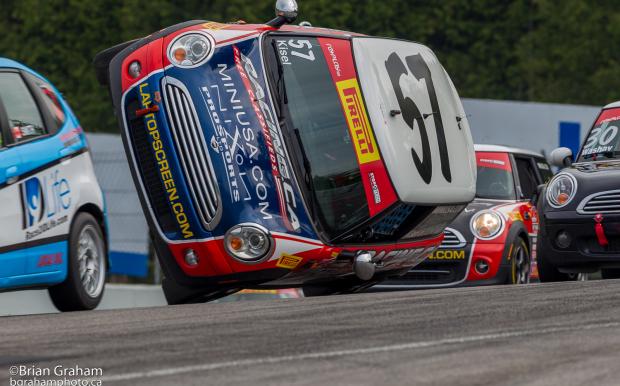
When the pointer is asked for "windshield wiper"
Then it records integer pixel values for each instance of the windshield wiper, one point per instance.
(280, 87)
(307, 173)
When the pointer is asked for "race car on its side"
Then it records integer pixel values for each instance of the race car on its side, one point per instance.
(493, 241)
(276, 156)
(52, 212)
(580, 207)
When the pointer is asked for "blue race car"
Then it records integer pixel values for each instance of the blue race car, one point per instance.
(52, 215)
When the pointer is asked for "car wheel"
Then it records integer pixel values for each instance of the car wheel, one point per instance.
(344, 288)
(610, 273)
(520, 263)
(178, 294)
(87, 264)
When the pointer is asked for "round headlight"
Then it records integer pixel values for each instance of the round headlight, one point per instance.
(191, 49)
(248, 243)
(561, 190)
(486, 224)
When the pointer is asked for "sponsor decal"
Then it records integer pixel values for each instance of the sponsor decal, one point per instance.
(493, 160)
(71, 137)
(46, 200)
(289, 261)
(273, 141)
(165, 173)
(447, 255)
(214, 26)
(379, 191)
(235, 141)
(51, 259)
(361, 133)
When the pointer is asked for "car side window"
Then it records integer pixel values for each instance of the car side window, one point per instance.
(50, 101)
(544, 169)
(527, 176)
(25, 120)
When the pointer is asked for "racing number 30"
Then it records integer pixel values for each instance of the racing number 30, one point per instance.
(411, 114)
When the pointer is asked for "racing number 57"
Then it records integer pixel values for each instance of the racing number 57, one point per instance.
(411, 114)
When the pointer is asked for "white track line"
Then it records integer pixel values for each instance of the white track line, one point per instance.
(362, 351)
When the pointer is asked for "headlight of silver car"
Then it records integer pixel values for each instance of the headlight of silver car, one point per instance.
(191, 49)
(486, 224)
(561, 190)
(248, 243)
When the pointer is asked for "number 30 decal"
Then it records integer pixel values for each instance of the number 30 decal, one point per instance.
(411, 114)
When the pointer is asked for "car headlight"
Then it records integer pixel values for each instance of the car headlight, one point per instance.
(486, 224)
(248, 243)
(191, 49)
(561, 190)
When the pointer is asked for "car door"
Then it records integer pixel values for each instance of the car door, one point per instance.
(29, 191)
(528, 180)
(12, 257)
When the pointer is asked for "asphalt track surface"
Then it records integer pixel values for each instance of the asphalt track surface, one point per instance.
(541, 334)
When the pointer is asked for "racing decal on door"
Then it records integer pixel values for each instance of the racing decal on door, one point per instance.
(411, 114)
(46, 200)
(379, 191)
(274, 141)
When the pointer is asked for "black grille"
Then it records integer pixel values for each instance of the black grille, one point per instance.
(604, 202)
(393, 221)
(147, 165)
(191, 149)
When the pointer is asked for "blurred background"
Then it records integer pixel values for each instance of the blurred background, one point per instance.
(533, 73)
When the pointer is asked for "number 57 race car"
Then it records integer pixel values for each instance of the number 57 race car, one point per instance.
(274, 156)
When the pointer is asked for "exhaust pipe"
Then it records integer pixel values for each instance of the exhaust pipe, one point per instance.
(363, 266)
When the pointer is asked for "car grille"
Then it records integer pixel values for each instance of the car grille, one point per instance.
(453, 239)
(150, 175)
(604, 202)
(392, 222)
(192, 151)
(430, 277)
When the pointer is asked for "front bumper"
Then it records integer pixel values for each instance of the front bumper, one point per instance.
(585, 253)
(449, 268)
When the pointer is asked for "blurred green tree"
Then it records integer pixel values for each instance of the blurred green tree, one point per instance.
(537, 50)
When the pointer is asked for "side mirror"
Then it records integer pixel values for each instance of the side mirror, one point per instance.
(286, 13)
(561, 157)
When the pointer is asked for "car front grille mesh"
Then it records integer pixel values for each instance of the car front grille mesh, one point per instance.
(192, 151)
(452, 239)
(604, 202)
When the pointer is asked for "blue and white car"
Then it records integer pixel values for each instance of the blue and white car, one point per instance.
(52, 215)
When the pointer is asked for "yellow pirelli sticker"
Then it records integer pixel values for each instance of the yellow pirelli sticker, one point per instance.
(357, 119)
(288, 261)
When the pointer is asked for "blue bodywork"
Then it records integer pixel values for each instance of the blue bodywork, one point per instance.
(35, 264)
(237, 148)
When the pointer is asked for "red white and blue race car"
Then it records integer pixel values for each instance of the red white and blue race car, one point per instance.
(273, 155)
(493, 241)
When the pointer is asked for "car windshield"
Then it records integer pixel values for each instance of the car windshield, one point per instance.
(603, 142)
(314, 109)
(495, 179)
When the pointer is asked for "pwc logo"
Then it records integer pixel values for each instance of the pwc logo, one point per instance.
(359, 125)
(44, 197)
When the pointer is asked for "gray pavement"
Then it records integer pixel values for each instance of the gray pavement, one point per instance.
(541, 334)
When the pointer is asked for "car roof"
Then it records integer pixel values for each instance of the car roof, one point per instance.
(612, 105)
(4, 62)
(506, 149)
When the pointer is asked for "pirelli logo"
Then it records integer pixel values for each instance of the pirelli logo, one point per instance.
(288, 261)
(357, 118)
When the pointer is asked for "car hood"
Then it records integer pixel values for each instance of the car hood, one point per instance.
(411, 102)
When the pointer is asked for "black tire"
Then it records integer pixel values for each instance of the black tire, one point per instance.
(520, 262)
(610, 273)
(178, 294)
(548, 273)
(73, 294)
(343, 288)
